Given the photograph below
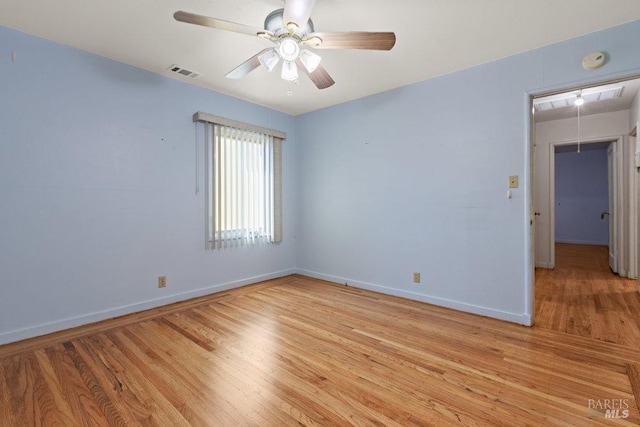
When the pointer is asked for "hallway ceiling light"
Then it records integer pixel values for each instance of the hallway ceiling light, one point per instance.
(569, 99)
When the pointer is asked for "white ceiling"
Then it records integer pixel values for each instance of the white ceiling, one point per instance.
(434, 37)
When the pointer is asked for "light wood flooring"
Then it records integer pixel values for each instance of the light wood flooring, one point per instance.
(581, 296)
(298, 351)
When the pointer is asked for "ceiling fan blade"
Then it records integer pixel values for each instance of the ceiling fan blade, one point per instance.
(319, 77)
(297, 11)
(247, 66)
(205, 21)
(355, 40)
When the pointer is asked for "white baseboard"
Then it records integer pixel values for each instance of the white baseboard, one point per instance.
(72, 322)
(546, 265)
(522, 319)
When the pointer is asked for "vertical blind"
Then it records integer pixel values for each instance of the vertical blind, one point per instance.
(243, 180)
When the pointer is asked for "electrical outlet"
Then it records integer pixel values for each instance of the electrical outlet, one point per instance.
(162, 281)
(416, 277)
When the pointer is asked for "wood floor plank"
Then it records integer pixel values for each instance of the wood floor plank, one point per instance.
(106, 387)
(180, 385)
(634, 377)
(199, 376)
(92, 384)
(5, 398)
(226, 381)
(252, 358)
(14, 397)
(81, 402)
(132, 384)
(63, 409)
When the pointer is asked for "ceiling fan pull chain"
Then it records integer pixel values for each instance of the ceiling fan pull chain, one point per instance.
(578, 129)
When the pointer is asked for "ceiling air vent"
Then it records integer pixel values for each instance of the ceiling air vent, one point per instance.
(183, 71)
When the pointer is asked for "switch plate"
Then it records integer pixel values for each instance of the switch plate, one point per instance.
(513, 181)
(162, 281)
(416, 277)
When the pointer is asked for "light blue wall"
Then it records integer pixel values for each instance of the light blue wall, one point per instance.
(415, 179)
(97, 190)
(97, 177)
(581, 195)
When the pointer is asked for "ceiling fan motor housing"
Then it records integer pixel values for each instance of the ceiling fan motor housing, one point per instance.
(275, 24)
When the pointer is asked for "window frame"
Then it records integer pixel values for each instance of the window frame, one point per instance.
(216, 237)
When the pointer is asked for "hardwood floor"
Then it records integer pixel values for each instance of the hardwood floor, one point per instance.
(581, 296)
(299, 351)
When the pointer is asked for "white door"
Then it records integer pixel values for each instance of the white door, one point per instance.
(612, 172)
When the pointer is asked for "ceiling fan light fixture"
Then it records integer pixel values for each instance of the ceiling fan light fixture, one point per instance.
(289, 71)
(310, 60)
(289, 49)
(269, 59)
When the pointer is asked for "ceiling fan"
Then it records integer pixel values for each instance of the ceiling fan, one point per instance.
(291, 29)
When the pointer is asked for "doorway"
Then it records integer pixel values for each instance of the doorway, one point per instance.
(602, 122)
(584, 196)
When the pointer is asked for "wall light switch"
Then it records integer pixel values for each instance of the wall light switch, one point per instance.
(513, 181)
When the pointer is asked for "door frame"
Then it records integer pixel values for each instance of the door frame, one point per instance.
(634, 202)
(635, 145)
(529, 297)
(615, 216)
(612, 192)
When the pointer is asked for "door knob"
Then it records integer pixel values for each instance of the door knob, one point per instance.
(603, 214)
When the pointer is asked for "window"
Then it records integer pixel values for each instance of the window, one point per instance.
(243, 183)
